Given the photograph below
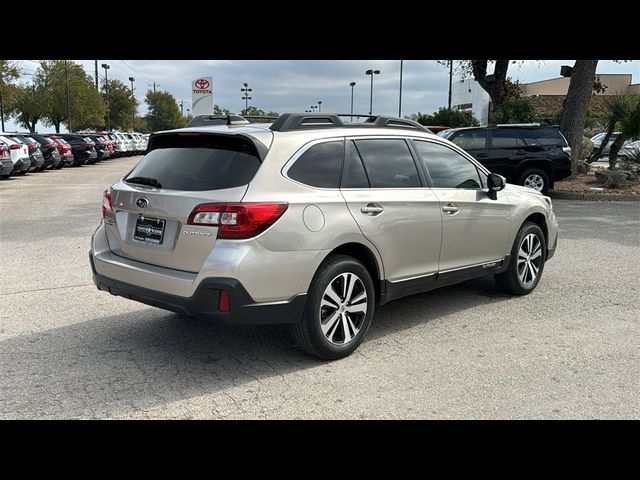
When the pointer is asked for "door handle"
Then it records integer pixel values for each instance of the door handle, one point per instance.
(372, 209)
(482, 155)
(520, 152)
(451, 209)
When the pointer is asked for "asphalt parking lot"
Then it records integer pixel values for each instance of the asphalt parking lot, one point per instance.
(569, 350)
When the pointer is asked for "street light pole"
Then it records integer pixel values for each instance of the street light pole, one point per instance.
(133, 116)
(352, 84)
(66, 77)
(400, 99)
(106, 86)
(313, 108)
(450, 80)
(246, 96)
(372, 73)
(319, 105)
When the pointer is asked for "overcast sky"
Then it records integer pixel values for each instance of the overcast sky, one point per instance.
(295, 85)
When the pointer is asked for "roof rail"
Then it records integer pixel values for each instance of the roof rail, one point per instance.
(208, 120)
(304, 121)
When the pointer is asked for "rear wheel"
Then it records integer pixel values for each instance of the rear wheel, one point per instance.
(536, 179)
(528, 256)
(339, 309)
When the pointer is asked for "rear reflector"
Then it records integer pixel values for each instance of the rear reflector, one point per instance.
(223, 301)
(15, 146)
(237, 221)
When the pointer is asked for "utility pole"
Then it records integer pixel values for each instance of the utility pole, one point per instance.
(450, 81)
(400, 99)
(133, 115)
(96, 70)
(66, 77)
(182, 107)
(154, 86)
(106, 85)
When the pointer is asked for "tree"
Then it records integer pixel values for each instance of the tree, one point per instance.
(493, 84)
(253, 111)
(164, 113)
(9, 72)
(86, 104)
(27, 107)
(447, 117)
(617, 107)
(516, 110)
(629, 128)
(122, 105)
(218, 110)
(575, 107)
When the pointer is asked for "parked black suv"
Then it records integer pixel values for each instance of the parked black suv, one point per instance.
(49, 149)
(84, 151)
(533, 155)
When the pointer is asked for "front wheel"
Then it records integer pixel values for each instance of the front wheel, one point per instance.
(536, 179)
(528, 256)
(339, 309)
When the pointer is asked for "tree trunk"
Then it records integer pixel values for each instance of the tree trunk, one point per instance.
(575, 111)
(492, 84)
(32, 125)
(596, 155)
(613, 151)
(57, 126)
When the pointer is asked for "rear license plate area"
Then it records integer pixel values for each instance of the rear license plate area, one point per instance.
(149, 230)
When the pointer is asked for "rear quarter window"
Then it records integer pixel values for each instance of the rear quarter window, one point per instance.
(542, 136)
(199, 163)
(319, 166)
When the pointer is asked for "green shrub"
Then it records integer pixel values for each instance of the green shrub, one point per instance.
(587, 148)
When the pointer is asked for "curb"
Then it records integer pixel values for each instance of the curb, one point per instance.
(594, 196)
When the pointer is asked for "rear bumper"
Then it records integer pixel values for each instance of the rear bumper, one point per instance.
(6, 167)
(204, 302)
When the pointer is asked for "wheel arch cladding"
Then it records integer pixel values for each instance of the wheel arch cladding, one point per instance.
(540, 220)
(544, 165)
(365, 256)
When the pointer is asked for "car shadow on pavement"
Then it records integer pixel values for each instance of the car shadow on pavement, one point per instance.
(134, 362)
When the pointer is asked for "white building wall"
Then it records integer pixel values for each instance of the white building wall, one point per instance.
(469, 92)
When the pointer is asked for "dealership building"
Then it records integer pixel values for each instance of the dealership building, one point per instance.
(546, 95)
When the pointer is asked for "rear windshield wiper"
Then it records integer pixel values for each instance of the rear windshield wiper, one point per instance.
(152, 182)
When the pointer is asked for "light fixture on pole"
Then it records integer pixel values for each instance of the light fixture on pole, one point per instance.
(352, 84)
(313, 108)
(372, 73)
(133, 115)
(319, 105)
(246, 96)
(106, 86)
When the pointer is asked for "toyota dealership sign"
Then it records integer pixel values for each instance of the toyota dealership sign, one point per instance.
(202, 96)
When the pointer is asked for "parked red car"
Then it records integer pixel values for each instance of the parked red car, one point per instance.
(64, 148)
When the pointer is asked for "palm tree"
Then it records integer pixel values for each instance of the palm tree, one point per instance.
(630, 127)
(625, 110)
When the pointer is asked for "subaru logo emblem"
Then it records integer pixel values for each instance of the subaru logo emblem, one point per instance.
(142, 202)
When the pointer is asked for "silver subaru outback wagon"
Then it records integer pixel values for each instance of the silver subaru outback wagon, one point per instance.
(312, 221)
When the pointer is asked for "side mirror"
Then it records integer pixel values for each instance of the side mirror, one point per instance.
(495, 183)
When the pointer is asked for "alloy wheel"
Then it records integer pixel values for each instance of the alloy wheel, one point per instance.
(529, 259)
(343, 308)
(534, 181)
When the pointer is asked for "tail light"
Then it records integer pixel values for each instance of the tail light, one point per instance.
(107, 205)
(237, 220)
(15, 146)
(31, 145)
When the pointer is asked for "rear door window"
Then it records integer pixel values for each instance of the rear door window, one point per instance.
(388, 163)
(470, 139)
(199, 163)
(506, 138)
(542, 136)
(319, 166)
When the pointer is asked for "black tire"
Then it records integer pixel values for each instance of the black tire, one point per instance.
(308, 334)
(510, 281)
(534, 173)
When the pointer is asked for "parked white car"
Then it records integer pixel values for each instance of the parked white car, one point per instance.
(19, 154)
(630, 150)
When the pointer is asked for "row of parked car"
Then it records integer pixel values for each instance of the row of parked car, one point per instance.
(34, 152)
